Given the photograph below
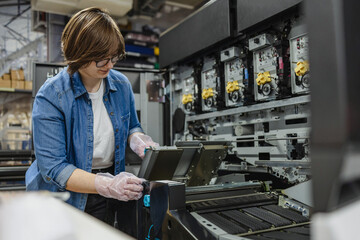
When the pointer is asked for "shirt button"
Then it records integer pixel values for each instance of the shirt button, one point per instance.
(116, 130)
(111, 113)
(106, 99)
(117, 146)
(48, 178)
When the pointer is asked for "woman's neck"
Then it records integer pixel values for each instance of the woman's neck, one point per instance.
(91, 84)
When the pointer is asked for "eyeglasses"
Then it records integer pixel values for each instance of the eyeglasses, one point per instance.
(105, 61)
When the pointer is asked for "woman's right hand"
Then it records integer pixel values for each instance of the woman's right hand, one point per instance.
(124, 186)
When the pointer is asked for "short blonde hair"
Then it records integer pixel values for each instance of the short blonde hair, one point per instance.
(90, 35)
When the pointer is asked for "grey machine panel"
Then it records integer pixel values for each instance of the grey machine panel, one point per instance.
(160, 163)
(251, 12)
(200, 161)
(194, 162)
(43, 71)
(207, 26)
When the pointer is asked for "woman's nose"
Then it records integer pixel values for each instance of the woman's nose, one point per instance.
(110, 64)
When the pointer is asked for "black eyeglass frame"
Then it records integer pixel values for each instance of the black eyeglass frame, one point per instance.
(113, 60)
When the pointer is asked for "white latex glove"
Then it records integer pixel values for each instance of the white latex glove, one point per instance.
(139, 142)
(124, 186)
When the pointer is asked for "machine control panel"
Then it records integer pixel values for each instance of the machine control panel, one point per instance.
(209, 85)
(300, 70)
(271, 67)
(236, 81)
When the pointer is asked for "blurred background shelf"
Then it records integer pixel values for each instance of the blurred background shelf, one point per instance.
(14, 163)
(14, 90)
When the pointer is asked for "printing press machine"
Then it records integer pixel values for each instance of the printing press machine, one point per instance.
(187, 202)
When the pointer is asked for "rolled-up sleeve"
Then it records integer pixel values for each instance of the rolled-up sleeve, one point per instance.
(134, 125)
(49, 138)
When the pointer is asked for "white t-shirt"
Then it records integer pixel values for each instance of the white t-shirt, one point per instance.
(104, 141)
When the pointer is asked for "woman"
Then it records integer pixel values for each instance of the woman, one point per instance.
(84, 117)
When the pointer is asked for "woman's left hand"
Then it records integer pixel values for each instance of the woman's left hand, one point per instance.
(139, 142)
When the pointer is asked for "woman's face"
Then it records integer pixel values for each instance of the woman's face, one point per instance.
(92, 71)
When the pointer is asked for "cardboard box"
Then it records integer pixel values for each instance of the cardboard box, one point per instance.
(22, 75)
(6, 76)
(28, 85)
(14, 75)
(18, 84)
(17, 75)
(5, 83)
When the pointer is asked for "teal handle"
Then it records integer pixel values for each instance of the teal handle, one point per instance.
(147, 148)
(147, 200)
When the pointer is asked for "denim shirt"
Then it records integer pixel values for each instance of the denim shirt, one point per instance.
(63, 130)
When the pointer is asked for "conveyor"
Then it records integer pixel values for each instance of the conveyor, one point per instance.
(240, 211)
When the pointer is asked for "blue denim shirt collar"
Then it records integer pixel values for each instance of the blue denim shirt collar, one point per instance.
(79, 88)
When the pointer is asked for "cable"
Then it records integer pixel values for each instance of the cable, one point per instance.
(148, 236)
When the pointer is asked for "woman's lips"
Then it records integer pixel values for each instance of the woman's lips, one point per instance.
(104, 71)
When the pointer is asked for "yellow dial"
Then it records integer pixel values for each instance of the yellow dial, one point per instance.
(206, 93)
(263, 78)
(301, 68)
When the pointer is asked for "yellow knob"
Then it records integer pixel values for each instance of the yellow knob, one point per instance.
(206, 93)
(301, 68)
(184, 99)
(232, 86)
(263, 78)
(156, 51)
(187, 98)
